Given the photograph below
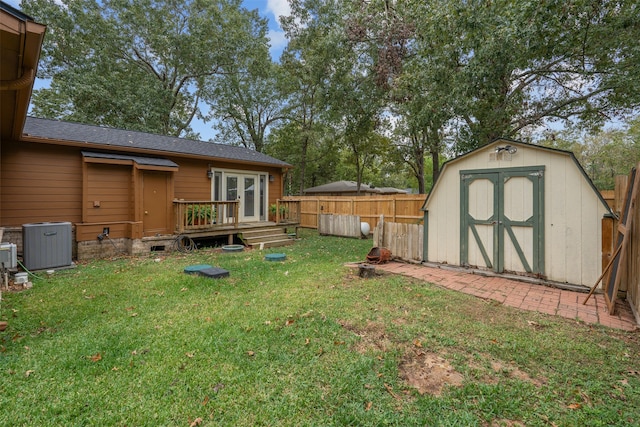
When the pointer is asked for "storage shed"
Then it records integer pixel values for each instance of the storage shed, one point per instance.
(517, 208)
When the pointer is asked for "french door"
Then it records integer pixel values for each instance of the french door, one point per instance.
(247, 189)
(502, 219)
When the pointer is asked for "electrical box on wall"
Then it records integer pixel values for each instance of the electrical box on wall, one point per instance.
(8, 255)
(46, 245)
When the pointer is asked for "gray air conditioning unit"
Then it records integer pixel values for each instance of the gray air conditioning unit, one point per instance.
(46, 245)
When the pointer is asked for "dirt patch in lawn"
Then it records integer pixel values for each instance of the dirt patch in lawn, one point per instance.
(514, 372)
(373, 337)
(428, 372)
(425, 371)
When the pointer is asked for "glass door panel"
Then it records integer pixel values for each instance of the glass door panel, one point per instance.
(249, 197)
(232, 193)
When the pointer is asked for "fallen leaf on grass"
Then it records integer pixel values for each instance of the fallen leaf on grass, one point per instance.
(205, 401)
(28, 373)
(574, 406)
(130, 308)
(390, 391)
(196, 422)
(96, 357)
(338, 343)
(417, 343)
(189, 355)
(134, 314)
(306, 341)
(289, 322)
(115, 368)
(184, 289)
(367, 406)
(250, 353)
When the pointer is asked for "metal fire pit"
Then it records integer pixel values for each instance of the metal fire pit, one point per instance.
(378, 255)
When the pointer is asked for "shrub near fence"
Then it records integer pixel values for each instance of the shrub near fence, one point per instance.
(401, 208)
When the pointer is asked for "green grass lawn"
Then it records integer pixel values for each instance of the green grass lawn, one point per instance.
(137, 342)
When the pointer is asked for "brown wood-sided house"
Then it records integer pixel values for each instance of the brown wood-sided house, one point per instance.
(137, 189)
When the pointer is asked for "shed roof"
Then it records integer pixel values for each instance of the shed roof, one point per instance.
(111, 138)
(524, 144)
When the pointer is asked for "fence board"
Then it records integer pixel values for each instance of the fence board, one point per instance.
(402, 239)
(632, 267)
(339, 225)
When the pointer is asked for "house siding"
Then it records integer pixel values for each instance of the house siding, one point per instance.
(40, 183)
(44, 183)
(109, 193)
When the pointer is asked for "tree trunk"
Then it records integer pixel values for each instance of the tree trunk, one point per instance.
(303, 163)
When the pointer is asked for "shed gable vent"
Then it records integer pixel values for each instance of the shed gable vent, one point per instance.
(502, 155)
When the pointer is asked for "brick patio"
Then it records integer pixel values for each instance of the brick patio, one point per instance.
(525, 296)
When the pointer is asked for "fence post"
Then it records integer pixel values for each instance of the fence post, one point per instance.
(380, 240)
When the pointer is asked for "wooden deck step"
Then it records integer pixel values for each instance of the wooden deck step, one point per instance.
(267, 237)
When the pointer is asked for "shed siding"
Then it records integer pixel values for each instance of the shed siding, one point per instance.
(573, 213)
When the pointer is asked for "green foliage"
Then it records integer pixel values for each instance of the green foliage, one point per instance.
(604, 154)
(245, 100)
(140, 65)
(201, 214)
(273, 209)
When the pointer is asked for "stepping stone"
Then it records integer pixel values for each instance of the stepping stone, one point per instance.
(194, 269)
(214, 273)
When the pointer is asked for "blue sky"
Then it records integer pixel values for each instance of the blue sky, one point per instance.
(270, 9)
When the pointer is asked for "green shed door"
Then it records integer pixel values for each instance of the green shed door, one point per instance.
(502, 219)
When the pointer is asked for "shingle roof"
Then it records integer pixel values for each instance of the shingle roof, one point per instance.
(349, 187)
(138, 159)
(111, 138)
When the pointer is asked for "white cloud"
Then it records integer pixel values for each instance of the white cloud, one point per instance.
(279, 8)
(278, 40)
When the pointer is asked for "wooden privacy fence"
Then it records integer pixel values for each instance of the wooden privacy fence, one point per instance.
(403, 240)
(624, 272)
(401, 208)
(340, 225)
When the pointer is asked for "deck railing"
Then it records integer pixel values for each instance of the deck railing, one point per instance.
(287, 211)
(205, 214)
